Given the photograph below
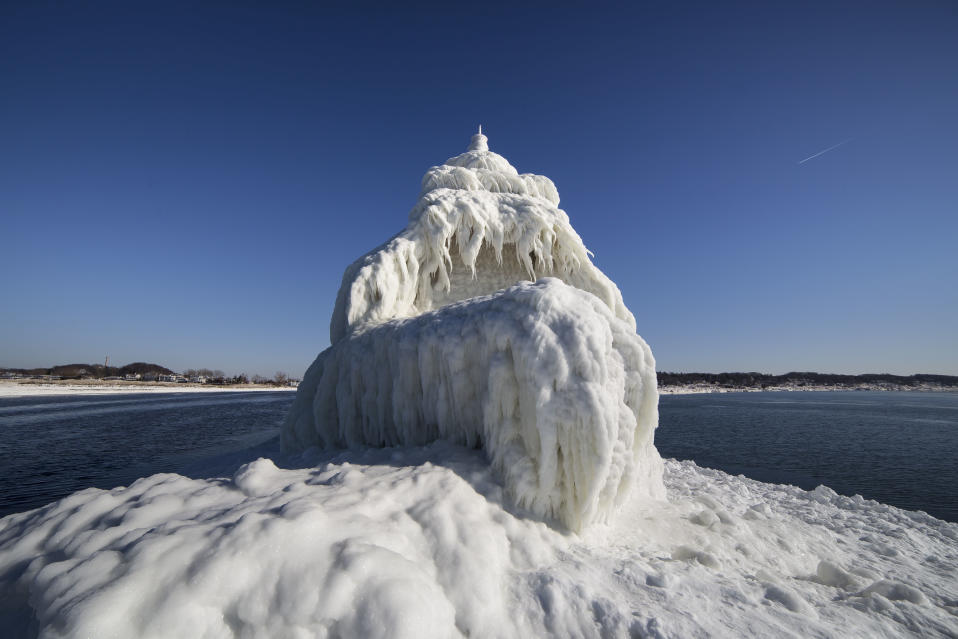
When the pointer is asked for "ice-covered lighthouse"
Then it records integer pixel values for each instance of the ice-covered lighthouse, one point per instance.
(485, 323)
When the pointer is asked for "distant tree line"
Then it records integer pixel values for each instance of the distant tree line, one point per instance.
(279, 379)
(763, 380)
(143, 369)
(219, 377)
(96, 371)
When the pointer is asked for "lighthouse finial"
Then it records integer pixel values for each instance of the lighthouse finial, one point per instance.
(479, 142)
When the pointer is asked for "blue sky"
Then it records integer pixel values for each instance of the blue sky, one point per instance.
(186, 185)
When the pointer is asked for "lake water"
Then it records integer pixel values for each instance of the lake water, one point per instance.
(898, 448)
(51, 446)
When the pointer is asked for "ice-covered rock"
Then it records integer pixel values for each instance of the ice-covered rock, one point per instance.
(441, 334)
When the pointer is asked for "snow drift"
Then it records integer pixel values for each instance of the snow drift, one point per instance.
(420, 543)
(440, 334)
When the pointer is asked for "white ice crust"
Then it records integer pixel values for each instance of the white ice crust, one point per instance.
(440, 334)
(477, 228)
(559, 392)
(420, 543)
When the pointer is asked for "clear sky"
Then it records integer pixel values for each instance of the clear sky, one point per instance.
(186, 184)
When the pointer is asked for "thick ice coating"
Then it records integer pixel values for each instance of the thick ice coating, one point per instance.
(440, 334)
(477, 228)
(559, 392)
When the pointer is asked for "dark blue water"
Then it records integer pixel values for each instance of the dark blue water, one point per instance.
(898, 448)
(53, 446)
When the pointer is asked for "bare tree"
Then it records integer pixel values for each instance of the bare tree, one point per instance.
(281, 378)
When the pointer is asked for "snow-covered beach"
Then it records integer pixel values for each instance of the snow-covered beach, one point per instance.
(15, 389)
(499, 479)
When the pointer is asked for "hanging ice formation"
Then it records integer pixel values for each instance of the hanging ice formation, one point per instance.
(440, 333)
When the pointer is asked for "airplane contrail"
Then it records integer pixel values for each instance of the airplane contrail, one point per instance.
(831, 148)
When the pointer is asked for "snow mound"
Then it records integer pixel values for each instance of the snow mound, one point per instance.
(439, 334)
(420, 542)
(559, 392)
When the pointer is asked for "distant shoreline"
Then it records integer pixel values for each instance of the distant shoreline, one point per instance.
(25, 388)
(696, 389)
(684, 383)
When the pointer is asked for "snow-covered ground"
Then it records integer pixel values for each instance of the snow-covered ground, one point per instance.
(15, 389)
(422, 542)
